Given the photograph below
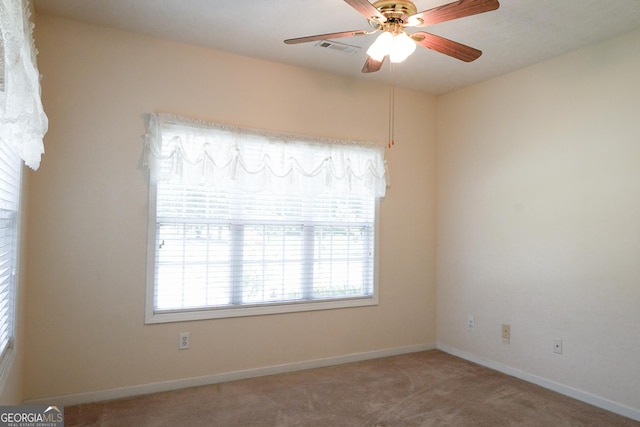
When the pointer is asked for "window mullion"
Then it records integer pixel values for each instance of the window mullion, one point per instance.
(369, 248)
(263, 266)
(207, 282)
(308, 250)
(184, 263)
(236, 228)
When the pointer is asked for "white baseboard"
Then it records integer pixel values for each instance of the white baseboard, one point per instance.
(583, 396)
(141, 389)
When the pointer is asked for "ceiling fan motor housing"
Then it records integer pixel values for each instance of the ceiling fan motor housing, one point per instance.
(396, 11)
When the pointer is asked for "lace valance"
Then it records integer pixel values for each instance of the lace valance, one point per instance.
(23, 122)
(200, 153)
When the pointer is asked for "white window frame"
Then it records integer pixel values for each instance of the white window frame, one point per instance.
(151, 316)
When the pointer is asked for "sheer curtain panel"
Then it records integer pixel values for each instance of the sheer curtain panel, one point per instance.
(23, 122)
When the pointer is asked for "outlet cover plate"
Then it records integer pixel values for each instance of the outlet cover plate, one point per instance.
(506, 333)
(557, 346)
(183, 342)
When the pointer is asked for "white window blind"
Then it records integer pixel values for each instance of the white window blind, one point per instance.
(245, 223)
(10, 176)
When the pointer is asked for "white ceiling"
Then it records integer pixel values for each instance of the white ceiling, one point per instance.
(519, 33)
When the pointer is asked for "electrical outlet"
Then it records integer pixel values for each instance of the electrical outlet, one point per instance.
(557, 346)
(471, 322)
(183, 342)
(506, 333)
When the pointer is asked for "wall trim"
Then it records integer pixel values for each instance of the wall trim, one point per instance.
(575, 393)
(141, 389)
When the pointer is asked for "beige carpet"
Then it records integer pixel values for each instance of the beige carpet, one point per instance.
(430, 388)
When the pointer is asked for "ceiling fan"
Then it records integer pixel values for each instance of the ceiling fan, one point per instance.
(393, 16)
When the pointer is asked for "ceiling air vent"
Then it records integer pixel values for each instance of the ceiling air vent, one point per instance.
(340, 47)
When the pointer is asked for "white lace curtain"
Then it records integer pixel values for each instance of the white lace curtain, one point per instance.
(196, 152)
(23, 122)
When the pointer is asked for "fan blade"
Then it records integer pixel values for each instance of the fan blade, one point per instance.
(366, 9)
(446, 46)
(455, 10)
(325, 36)
(371, 66)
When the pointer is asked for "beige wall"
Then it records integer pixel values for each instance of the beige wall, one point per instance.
(88, 205)
(539, 220)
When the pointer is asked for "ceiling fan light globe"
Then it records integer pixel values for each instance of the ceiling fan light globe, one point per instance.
(381, 47)
(403, 46)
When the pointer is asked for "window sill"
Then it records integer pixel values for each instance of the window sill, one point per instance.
(185, 316)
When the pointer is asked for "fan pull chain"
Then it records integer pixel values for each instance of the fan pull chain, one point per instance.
(392, 103)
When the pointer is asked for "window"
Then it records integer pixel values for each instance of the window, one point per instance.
(23, 124)
(10, 175)
(244, 223)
